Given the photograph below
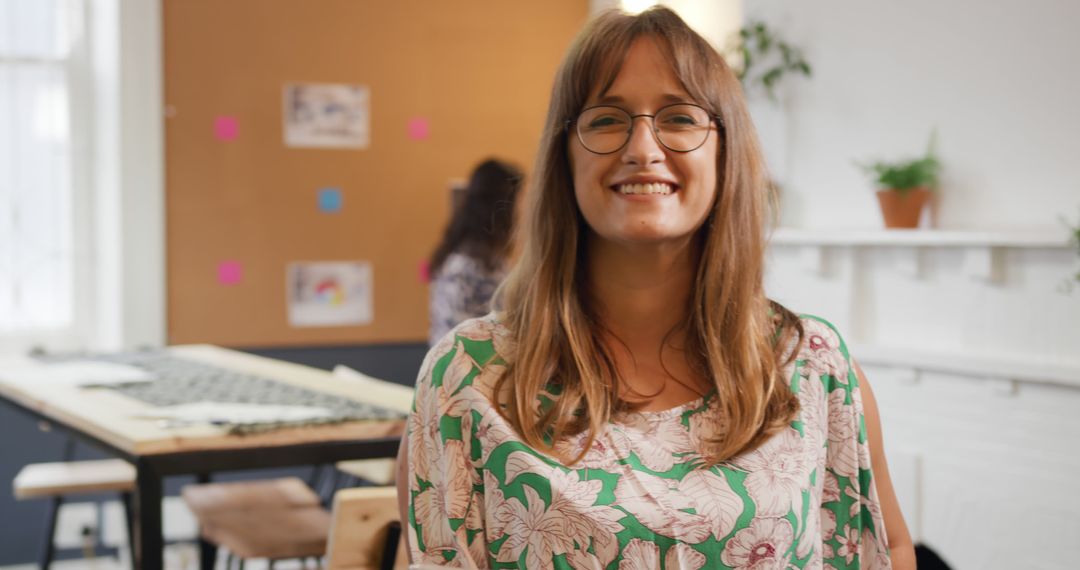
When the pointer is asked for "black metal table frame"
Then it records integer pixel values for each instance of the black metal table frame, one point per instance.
(151, 471)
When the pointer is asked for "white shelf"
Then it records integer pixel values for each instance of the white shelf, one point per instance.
(922, 238)
(1009, 370)
(981, 248)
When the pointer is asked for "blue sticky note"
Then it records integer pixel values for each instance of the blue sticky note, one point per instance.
(330, 200)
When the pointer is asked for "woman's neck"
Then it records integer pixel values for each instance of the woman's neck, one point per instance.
(641, 293)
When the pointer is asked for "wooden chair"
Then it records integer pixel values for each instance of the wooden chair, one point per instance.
(283, 493)
(273, 534)
(381, 472)
(59, 480)
(366, 532)
(274, 519)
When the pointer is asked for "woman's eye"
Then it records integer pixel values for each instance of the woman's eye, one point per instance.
(680, 120)
(606, 121)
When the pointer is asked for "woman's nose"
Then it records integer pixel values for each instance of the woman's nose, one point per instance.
(643, 147)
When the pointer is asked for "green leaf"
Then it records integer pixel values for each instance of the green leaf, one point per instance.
(906, 175)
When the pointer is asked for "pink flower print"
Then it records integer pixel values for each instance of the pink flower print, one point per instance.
(495, 503)
(432, 403)
(447, 498)
(760, 546)
(658, 504)
(607, 449)
(874, 556)
(821, 349)
(480, 329)
(640, 555)
(684, 557)
(849, 544)
(778, 473)
(419, 450)
(530, 525)
(657, 440)
(830, 493)
(704, 426)
(586, 521)
(843, 447)
(713, 499)
(643, 555)
(492, 431)
(828, 524)
(582, 560)
(811, 533)
(435, 354)
(812, 409)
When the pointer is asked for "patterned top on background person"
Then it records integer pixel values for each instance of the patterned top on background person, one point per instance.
(642, 496)
(461, 290)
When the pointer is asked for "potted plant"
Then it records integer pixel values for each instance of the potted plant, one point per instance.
(903, 188)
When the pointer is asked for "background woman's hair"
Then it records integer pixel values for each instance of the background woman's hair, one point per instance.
(735, 335)
(481, 227)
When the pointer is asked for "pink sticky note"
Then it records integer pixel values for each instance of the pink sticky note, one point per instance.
(424, 272)
(226, 128)
(230, 272)
(419, 129)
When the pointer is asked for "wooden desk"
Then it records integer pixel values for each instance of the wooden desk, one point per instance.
(108, 420)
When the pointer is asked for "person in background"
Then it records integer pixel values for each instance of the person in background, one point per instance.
(470, 261)
(636, 401)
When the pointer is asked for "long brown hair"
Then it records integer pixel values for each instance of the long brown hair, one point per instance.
(481, 227)
(735, 335)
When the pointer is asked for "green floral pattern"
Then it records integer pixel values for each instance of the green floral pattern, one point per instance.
(642, 496)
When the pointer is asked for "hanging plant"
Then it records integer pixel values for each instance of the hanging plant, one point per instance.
(762, 57)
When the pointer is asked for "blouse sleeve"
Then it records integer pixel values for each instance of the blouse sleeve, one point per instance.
(445, 491)
(853, 530)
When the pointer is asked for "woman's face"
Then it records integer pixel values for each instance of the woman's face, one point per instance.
(608, 187)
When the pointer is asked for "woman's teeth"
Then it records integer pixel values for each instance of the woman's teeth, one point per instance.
(656, 188)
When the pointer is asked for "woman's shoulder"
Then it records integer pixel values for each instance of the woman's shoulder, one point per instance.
(482, 339)
(460, 262)
(822, 349)
(471, 355)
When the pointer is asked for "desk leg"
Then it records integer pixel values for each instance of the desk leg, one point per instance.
(207, 549)
(149, 543)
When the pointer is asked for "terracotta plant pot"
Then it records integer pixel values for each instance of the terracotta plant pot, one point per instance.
(902, 210)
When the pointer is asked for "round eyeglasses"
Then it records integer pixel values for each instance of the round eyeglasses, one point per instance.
(681, 127)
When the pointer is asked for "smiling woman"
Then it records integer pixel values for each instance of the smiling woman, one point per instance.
(637, 400)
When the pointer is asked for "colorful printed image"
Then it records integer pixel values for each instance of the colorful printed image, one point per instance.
(327, 115)
(329, 293)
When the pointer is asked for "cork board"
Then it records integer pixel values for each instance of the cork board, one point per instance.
(478, 71)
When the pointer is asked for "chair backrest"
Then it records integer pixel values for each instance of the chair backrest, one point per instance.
(362, 517)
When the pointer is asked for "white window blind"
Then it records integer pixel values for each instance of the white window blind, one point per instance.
(37, 189)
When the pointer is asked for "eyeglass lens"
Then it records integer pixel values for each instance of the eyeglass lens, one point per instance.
(680, 128)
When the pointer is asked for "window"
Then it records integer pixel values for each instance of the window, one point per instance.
(42, 199)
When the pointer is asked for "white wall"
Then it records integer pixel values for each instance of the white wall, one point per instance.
(993, 471)
(984, 455)
(998, 80)
(128, 251)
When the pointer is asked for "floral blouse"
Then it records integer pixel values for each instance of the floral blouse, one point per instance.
(461, 290)
(641, 498)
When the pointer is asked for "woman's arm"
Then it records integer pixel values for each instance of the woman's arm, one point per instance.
(402, 482)
(901, 551)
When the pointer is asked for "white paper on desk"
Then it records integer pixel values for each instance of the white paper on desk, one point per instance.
(381, 392)
(236, 414)
(71, 373)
